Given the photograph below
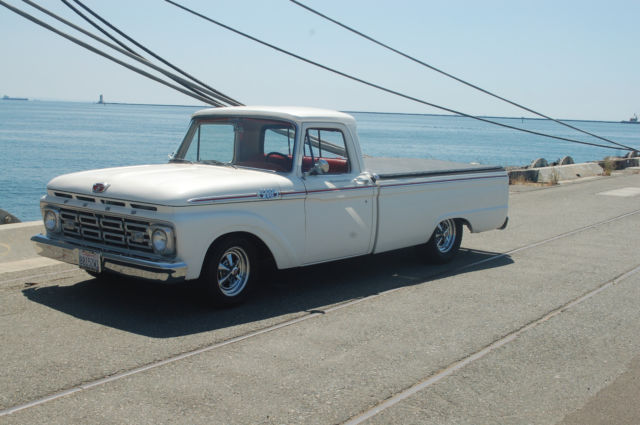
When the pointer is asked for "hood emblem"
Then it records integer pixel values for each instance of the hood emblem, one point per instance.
(100, 187)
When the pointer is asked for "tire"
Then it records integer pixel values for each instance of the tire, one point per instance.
(230, 270)
(445, 241)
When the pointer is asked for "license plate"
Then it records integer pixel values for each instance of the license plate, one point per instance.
(89, 260)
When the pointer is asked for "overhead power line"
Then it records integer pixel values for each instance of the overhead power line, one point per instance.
(379, 87)
(202, 96)
(98, 27)
(194, 85)
(93, 49)
(220, 96)
(460, 80)
(445, 73)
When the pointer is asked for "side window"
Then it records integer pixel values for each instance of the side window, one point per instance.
(327, 144)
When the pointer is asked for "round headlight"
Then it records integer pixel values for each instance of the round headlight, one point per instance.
(162, 240)
(159, 239)
(51, 220)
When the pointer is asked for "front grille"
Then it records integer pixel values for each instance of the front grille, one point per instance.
(105, 201)
(106, 229)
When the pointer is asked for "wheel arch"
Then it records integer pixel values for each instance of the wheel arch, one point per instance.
(455, 217)
(465, 222)
(198, 232)
(262, 250)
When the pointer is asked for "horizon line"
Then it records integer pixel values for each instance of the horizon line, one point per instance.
(346, 111)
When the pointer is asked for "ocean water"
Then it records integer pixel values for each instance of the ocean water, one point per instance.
(40, 140)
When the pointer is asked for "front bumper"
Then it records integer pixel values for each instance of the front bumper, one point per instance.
(111, 262)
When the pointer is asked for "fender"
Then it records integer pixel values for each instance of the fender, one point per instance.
(195, 232)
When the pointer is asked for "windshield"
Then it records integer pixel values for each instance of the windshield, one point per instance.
(244, 142)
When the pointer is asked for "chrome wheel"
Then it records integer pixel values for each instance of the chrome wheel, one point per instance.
(233, 271)
(445, 235)
(445, 241)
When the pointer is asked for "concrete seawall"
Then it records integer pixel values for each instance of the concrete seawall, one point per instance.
(556, 173)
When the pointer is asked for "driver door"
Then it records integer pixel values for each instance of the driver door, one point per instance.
(339, 202)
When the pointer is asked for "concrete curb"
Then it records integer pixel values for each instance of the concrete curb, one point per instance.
(15, 244)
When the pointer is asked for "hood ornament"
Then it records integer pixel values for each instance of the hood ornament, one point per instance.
(100, 187)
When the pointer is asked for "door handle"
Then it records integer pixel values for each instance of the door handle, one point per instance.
(362, 180)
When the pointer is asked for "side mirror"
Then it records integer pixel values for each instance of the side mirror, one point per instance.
(320, 167)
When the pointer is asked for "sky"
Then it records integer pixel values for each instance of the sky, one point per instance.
(567, 59)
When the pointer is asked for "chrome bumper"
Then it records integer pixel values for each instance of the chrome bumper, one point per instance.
(115, 263)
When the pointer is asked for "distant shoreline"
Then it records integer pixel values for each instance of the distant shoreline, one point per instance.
(148, 104)
(346, 111)
(479, 116)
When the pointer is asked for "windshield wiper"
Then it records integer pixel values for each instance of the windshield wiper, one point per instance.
(180, 160)
(216, 162)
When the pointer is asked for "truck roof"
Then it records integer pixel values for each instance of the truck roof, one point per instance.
(291, 113)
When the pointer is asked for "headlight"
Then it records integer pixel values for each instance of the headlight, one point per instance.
(51, 220)
(162, 240)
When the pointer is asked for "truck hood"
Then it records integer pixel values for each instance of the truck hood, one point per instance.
(170, 184)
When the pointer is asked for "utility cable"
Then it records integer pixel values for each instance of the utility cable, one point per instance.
(115, 40)
(105, 55)
(180, 81)
(202, 91)
(120, 50)
(376, 86)
(220, 95)
(433, 68)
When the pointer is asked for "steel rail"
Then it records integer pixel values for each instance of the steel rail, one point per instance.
(316, 313)
(454, 367)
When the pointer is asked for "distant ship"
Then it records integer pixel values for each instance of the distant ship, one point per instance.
(632, 120)
(5, 97)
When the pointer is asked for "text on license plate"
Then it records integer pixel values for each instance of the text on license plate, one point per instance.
(89, 260)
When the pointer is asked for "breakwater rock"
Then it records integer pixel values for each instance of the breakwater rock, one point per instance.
(7, 218)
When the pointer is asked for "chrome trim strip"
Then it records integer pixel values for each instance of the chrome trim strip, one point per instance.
(221, 198)
(301, 194)
(128, 266)
(443, 181)
(282, 195)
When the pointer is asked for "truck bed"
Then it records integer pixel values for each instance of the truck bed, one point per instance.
(393, 168)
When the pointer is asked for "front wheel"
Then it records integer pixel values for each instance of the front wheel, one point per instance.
(445, 241)
(229, 271)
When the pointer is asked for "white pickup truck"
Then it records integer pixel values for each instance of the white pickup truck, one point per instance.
(253, 186)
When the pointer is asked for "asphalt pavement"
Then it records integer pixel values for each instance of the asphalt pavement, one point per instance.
(536, 324)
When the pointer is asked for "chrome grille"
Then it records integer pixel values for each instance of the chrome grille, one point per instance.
(106, 229)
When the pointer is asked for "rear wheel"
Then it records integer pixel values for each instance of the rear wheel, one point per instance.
(229, 271)
(445, 241)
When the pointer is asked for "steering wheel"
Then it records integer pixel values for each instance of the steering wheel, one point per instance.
(281, 155)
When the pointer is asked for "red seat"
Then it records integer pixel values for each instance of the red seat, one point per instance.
(336, 165)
